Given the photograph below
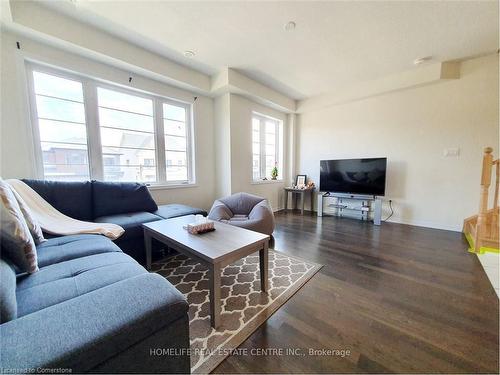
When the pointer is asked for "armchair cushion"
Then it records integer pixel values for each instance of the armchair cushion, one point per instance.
(262, 213)
(241, 203)
(245, 211)
(220, 211)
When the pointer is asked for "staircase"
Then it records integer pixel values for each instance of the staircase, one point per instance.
(482, 230)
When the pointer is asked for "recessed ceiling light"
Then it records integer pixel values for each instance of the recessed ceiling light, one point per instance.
(189, 53)
(422, 60)
(289, 26)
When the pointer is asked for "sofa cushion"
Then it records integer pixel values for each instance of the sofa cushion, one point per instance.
(112, 198)
(168, 211)
(72, 198)
(17, 242)
(87, 331)
(60, 282)
(131, 222)
(60, 249)
(8, 303)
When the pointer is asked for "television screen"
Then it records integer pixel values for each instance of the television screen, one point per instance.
(353, 176)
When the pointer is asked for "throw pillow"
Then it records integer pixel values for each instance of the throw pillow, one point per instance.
(33, 226)
(17, 242)
(8, 302)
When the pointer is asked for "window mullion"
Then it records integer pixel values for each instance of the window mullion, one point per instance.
(161, 167)
(262, 149)
(93, 133)
(276, 145)
(190, 145)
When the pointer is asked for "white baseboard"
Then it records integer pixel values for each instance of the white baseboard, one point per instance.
(425, 224)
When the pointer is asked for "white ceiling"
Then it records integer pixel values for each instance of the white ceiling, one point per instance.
(335, 43)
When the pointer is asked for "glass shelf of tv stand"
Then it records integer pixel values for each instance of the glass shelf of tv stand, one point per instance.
(357, 207)
(345, 207)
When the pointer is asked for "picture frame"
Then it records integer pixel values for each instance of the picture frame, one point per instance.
(301, 180)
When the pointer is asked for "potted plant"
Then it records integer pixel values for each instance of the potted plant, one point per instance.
(274, 172)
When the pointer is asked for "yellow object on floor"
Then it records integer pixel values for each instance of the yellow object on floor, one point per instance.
(482, 250)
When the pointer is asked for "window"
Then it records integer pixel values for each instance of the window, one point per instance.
(176, 142)
(60, 114)
(267, 147)
(86, 130)
(127, 133)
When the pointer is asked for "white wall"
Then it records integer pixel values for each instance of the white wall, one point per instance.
(50, 25)
(412, 128)
(16, 151)
(222, 141)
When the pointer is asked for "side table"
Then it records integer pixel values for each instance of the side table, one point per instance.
(301, 193)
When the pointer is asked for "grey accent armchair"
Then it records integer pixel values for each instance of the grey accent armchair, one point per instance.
(244, 210)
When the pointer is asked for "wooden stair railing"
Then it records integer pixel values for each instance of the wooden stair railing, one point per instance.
(482, 230)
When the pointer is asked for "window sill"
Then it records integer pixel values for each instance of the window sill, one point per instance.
(171, 186)
(263, 182)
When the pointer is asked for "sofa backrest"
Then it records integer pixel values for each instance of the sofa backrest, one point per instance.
(113, 198)
(72, 198)
(87, 200)
(8, 301)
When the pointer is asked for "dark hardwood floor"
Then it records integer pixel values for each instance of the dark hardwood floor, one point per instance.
(402, 299)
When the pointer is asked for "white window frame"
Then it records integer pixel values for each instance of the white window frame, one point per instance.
(189, 137)
(279, 133)
(91, 108)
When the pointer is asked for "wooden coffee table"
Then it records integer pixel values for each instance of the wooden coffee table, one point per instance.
(215, 249)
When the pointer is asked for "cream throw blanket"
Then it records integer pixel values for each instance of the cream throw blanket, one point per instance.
(55, 222)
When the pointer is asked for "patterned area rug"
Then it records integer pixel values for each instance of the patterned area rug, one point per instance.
(244, 307)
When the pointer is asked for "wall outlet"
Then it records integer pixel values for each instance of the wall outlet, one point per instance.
(451, 152)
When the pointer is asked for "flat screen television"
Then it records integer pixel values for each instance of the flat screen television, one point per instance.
(353, 176)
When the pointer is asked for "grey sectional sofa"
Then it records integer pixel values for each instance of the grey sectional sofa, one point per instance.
(91, 307)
